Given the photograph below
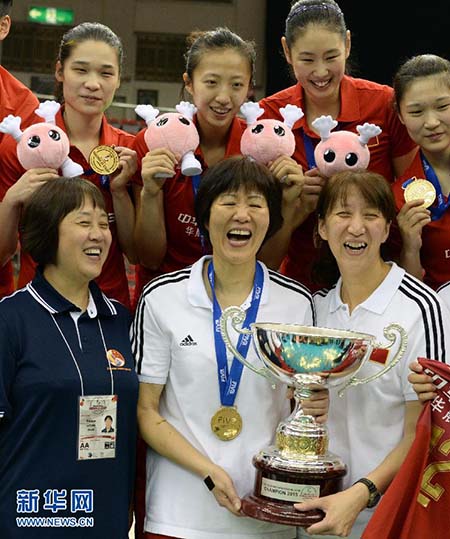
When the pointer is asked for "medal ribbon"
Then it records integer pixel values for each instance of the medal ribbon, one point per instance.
(309, 150)
(195, 186)
(438, 209)
(229, 380)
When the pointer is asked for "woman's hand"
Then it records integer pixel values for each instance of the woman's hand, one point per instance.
(157, 162)
(126, 170)
(422, 383)
(312, 188)
(411, 219)
(224, 490)
(27, 184)
(341, 510)
(290, 175)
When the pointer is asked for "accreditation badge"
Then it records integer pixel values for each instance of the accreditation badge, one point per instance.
(97, 427)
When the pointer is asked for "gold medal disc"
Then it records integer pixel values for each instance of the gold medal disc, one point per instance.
(420, 189)
(226, 423)
(104, 160)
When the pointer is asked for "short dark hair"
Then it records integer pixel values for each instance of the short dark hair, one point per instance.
(231, 174)
(374, 189)
(5, 7)
(45, 210)
(108, 417)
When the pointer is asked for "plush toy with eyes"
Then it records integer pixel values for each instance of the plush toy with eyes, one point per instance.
(44, 144)
(265, 140)
(342, 150)
(175, 131)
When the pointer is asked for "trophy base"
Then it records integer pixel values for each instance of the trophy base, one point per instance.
(281, 482)
(279, 513)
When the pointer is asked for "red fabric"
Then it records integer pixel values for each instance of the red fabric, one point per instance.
(435, 252)
(415, 506)
(16, 99)
(183, 238)
(361, 101)
(113, 279)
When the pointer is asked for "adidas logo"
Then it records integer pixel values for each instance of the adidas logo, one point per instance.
(188, 341)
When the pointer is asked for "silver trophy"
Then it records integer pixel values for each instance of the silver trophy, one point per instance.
(299, 466)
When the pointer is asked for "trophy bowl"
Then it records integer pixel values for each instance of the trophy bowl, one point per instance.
(299, 466)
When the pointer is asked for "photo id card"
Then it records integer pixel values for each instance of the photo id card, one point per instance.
(97, 427)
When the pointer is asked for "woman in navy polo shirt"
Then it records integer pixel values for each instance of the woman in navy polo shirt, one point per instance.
(65, 364)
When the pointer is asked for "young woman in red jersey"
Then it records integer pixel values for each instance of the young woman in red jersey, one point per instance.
(218, 78)
(422, 95)
(88, 74)
(317, 44)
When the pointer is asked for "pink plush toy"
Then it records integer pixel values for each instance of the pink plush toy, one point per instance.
(342, 150)
(44, 144)
(175, 131)
(266, 140)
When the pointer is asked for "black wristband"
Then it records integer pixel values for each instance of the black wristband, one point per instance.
(209, 482)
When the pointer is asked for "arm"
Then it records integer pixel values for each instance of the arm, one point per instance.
(168, 442)
(122, 203)
(11, 208)
(150, 233)
(411, 219)
(343, 508)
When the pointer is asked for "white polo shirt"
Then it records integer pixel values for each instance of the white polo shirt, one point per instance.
(367, 422)
(444, 293)
(173, 342)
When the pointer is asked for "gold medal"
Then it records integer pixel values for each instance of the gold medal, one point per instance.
(104, 160)
(226, 423)
(419, 188)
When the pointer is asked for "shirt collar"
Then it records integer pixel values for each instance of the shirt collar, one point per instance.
(196, 290)
(380, 298)
(49, 298)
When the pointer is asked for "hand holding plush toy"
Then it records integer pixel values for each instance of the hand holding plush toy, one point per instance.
(266, 140)
(175, 131)
(342, 150)
(44, 144)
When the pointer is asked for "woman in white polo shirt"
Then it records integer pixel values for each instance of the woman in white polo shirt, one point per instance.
(186, 380)
(373, 425)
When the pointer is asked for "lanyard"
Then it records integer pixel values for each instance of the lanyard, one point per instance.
(438, 210)
(195, 187)
(74, 358)
(309, 150)
(229, 380)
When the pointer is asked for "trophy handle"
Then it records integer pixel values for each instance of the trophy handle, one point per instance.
(237, 316)
(390, 332)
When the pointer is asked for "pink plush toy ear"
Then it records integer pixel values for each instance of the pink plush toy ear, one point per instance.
(43, 145)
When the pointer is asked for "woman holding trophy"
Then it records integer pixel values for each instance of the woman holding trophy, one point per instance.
(373, 425)
(201, 413)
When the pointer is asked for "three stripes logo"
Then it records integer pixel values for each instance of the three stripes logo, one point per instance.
(188, 341)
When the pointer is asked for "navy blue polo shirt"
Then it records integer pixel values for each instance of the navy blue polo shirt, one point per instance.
(45, 492)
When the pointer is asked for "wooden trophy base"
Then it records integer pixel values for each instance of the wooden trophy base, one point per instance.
(277, 488)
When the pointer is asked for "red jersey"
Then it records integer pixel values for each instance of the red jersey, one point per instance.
(184, 245)
(435, 252)
(113, 279)
(18, 100)
(361, 101)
